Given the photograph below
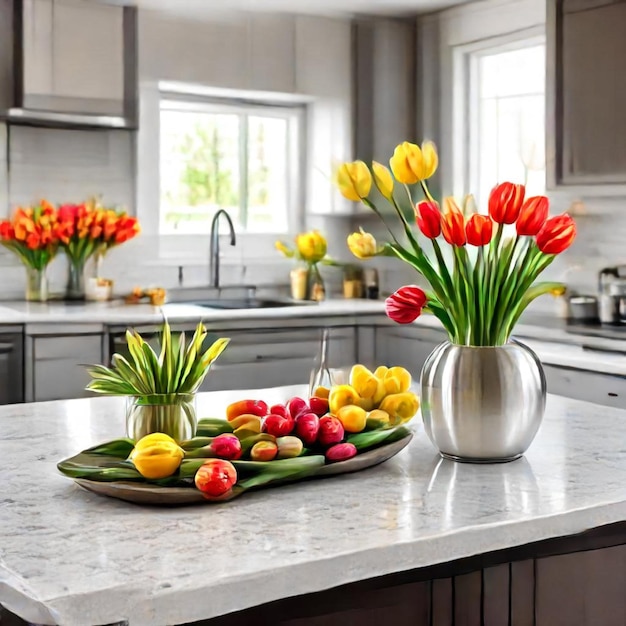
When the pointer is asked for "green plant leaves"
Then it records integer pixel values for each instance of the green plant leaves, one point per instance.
(179, 367)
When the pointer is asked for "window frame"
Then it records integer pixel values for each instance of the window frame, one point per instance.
(466, 97)
(293, 113)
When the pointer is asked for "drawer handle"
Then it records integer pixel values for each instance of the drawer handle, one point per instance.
(612, 395)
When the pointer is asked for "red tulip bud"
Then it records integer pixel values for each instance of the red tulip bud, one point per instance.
(295, 406)
(226, 446)
(405, 305)
(319, 406)
(428, 219)
(453, 224)
(307, 426)
(330, 431)
(505, 202)
(279, 409)
(278, 425)
(341, 452)
(533, 215)
(246, 407)
(215, 477)
(479, 229)
(557, 234)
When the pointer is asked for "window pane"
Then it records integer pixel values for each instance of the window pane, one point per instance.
(199, 169)
(510, 135)
(268, 174)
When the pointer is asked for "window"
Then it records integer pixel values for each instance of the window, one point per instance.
(241, 158)
(507, 117)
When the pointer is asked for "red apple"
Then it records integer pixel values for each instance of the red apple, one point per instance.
(226, 446)
(331, 431)
(295, 406)
(319, 406)
(307, 426)
(278, 425)
(340, 452)
(215, 477)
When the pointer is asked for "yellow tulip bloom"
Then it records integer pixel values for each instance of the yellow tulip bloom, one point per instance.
(362, 244)
(311, 246)
(354, 180)
(383, 179)
(410, 163)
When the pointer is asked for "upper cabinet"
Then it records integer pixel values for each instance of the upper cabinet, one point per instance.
(73, 61)
(586, 92)
(385, 86)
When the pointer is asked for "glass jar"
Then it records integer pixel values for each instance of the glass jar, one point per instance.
(36, 285)
(173, 414)
(299, 277)
(317, 290)
(75, 289)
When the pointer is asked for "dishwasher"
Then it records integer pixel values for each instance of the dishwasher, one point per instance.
(11, 364)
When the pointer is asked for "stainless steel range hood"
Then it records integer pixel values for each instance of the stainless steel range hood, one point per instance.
(68, 63)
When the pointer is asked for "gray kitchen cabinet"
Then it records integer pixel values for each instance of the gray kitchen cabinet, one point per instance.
(55, 364)
(586, 92)
(601, 389)
(256, 359)
(323, 53)
(271, 43)
(407, 346)
(37, 69)
(385, 86)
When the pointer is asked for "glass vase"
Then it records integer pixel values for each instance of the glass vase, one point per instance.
(75, 289)
(36, 285)
(317, 291)
(173, 414)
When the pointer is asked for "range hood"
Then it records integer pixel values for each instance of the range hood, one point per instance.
(68, 63)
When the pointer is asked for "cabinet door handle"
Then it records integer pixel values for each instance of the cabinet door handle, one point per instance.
(5, 348)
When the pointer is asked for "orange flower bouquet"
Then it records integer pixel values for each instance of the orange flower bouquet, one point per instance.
(89, 229)
(31, 234)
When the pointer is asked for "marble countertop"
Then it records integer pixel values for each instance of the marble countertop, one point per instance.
(73, 558)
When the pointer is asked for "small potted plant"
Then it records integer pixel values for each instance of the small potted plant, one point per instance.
(160, 387)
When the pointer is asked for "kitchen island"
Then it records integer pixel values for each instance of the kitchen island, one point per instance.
(416, 540)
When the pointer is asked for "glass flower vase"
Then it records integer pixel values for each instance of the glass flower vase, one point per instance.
(299, 278)
(75, 289)
(316, 290)
(172, 414)
(36, 285)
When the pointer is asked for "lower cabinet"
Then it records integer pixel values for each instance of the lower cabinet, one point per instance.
(408, 346)
(589, 386)
(256, 359)
(55, 365)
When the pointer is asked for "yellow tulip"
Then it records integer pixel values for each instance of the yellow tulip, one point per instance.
(286, 250)
(401, 407)
(410, 163)
(363, 381)
(362, 244)
(383, 179)
(311, 246)
(340, 396)
(354, 180)
(353, 418)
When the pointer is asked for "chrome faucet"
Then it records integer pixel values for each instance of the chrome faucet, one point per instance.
(214, 255)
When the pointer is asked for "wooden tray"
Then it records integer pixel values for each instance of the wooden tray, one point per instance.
(146, 493)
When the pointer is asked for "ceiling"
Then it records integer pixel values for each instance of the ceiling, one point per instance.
(206, 8)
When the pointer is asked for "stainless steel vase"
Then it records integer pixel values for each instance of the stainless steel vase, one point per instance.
(482, 404)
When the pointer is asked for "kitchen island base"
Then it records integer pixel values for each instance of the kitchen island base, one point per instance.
(578, 580)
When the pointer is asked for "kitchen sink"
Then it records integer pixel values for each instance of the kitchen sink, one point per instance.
(248, 303)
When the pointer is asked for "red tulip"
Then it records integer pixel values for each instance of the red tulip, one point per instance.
(307, 427)
(479, 229)
(428, 218)
(278, 425)
(505, 202)
(557, 234)
(341, 452)
(533, 215)
(453, 224)
(405, 305)
(330, 431)
(226, 446)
